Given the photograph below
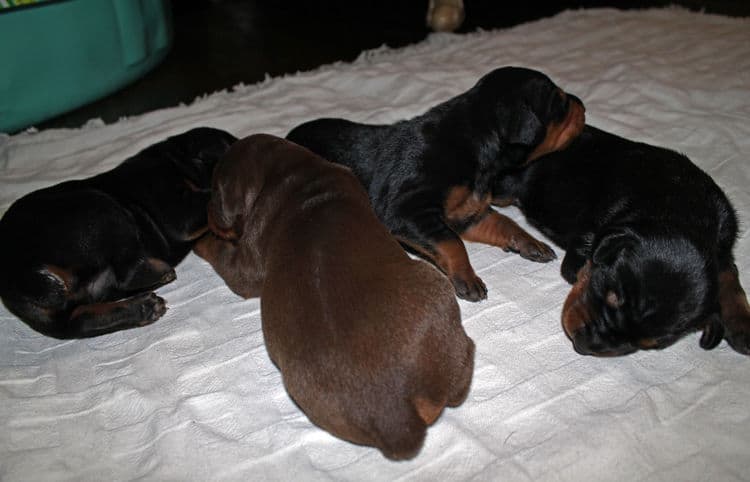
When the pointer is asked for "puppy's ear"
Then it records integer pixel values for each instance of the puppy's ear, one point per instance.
(225, 226)
(524, 126)
(713, 332)
(611, 245)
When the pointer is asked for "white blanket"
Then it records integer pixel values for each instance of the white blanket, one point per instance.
(195, 397)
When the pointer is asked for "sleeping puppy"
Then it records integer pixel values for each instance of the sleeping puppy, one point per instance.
(648, 239)
(369, 342)
(81, 258)
(430, 178)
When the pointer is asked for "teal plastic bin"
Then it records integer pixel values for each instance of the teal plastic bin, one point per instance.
(59, 55)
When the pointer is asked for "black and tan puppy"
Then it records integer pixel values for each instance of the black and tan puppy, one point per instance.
(649, 239)
(369, 342)
(430, 178)
(81, 258)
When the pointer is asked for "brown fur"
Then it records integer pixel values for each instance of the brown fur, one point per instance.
(576, 311)
(561, 134)
(498, 230)
(368, 341)
(735, 310)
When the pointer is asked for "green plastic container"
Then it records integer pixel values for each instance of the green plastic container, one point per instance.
(59, 55)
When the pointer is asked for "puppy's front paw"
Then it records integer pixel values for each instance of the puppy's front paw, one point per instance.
(470, 288)
(168, 277)
(152, 308)
(533, 249)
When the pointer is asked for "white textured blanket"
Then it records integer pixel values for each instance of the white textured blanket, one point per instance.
(195, 397)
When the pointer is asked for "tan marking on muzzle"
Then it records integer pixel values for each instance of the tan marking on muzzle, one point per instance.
(576, 311)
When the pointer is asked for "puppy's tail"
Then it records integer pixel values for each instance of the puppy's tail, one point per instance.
(463, 376)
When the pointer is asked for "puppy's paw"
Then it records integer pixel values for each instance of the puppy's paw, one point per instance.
(470, 289)
(152, 308)
(535, 250)
(168, 277)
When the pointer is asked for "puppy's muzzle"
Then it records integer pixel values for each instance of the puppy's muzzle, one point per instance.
(576, 320)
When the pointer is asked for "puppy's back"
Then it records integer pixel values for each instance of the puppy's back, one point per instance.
(344, 142)
(379, 366)
(604, 180)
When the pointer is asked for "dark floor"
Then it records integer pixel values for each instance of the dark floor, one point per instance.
(221, 43)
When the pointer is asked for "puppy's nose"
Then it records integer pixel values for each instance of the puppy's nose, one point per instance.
(585, 345)
(581, 344)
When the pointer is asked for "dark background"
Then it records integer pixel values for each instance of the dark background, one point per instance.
(221, 43)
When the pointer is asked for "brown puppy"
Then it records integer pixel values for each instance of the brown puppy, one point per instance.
(369, 342)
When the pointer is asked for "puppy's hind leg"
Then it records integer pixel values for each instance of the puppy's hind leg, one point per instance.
(49, 301)
(101, 318)
(427, 234)
(462, 381)
(146, 274)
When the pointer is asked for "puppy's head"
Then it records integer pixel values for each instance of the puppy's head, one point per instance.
(173, 179)
(235, 186)
(240, 177)
(533, 115)
(196, 152)
(641, 292)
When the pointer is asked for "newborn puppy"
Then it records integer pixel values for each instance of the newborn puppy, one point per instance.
(649, 239)
(369, 342)
(81, 258)
(430, 178)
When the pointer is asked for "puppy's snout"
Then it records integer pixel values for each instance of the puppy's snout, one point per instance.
(587, 343)
(581, 344)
